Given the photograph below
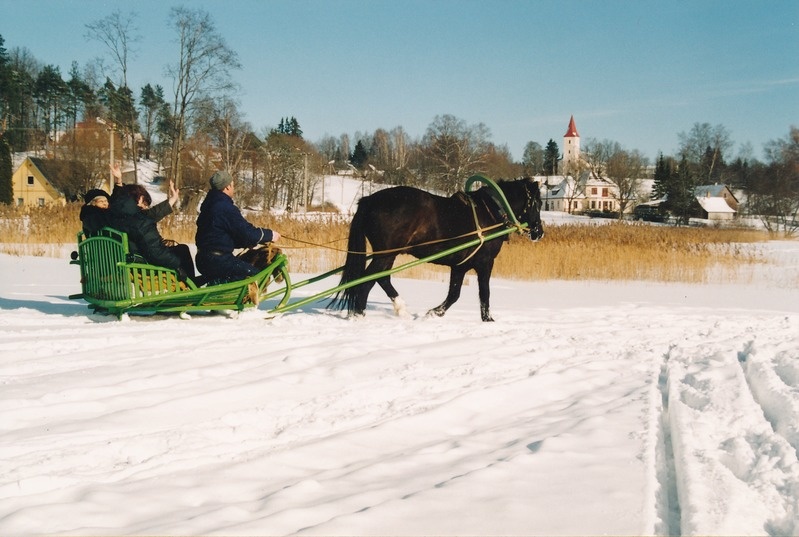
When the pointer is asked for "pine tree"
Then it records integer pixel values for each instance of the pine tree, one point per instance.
(6, 172)
(50, 93)
(5, 81)
(152, 103)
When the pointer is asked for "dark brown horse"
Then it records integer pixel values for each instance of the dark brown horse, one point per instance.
(408, 220)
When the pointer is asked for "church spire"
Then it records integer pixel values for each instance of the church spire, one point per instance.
(571, 150)
(571, 132)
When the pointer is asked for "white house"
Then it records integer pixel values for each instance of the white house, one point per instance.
(587, 193)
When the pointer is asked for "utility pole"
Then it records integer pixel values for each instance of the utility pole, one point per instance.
(305, 183)
(111, 181)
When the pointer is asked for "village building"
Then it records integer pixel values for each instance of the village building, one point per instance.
(38, 182)
(571, 149)
(715, 202)
(578, 189)
(586, 193)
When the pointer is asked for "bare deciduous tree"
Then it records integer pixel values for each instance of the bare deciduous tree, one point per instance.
(533, 158)
(119, 33)
(203, 68)
(774, 194)
(625, 169)
(400, 143)
(702, 141)
(227, 130)
(454, 150)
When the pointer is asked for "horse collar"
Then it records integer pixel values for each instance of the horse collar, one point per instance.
(497, 209)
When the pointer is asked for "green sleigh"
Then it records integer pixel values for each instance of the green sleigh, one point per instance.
(115, 282)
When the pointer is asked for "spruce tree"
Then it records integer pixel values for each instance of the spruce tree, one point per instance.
(359, 155)
(681, 191)
(551, 154)
(663, 176)
(294, 127)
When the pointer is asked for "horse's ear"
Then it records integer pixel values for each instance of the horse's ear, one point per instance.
(531, 180)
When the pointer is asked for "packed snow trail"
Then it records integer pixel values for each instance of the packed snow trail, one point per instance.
(591, 408)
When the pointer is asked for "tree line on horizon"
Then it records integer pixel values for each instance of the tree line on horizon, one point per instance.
(200, 127)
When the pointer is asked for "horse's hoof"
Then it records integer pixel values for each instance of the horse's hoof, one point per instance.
(399, 308)
(438, 312)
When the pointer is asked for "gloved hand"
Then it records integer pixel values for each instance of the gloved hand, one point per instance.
(275, 236)
(182, 274)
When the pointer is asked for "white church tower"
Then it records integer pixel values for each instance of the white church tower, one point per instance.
(571, 148)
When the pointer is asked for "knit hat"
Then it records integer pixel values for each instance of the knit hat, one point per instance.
(220, 180)
(95, 193)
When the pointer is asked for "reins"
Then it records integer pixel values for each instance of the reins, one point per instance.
(478, 232)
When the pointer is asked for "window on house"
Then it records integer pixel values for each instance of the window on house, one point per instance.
(30, 180)
(20, 202)
(593, 191)
(604, 192)
(41, 202)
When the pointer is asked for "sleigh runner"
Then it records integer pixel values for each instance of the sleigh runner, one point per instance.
(116, 282)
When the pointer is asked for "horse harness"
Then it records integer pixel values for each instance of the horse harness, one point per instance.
(496, 210)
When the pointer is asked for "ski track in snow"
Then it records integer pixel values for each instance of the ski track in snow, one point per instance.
(742, 397)
(683, 420)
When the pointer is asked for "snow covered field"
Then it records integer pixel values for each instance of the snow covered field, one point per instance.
(587, 408)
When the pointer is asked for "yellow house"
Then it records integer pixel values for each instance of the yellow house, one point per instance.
(39, 182)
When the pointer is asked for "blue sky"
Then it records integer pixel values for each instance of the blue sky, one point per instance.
(635, 72)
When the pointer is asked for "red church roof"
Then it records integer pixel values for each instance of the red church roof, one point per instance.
(571, 132)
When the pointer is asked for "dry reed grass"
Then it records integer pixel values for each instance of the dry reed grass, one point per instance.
(621, 251)
(614, 251)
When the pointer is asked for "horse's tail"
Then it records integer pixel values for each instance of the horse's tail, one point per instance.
(355, 264)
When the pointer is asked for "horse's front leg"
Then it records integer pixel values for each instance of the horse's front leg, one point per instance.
(456, 275)
(484, 290)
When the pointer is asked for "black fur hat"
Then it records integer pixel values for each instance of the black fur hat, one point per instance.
(95, 193)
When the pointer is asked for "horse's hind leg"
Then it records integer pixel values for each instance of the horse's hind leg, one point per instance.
(456, 276)
(377, 265)
(391, 292)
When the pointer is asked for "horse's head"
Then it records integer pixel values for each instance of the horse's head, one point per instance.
(531, 212)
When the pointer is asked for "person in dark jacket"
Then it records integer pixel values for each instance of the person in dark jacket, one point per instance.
(221, 228)
(159, 211)
(94, 216)
(127, 214)
(94, 212)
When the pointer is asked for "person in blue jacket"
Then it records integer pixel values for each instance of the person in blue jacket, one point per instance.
(221, 228)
